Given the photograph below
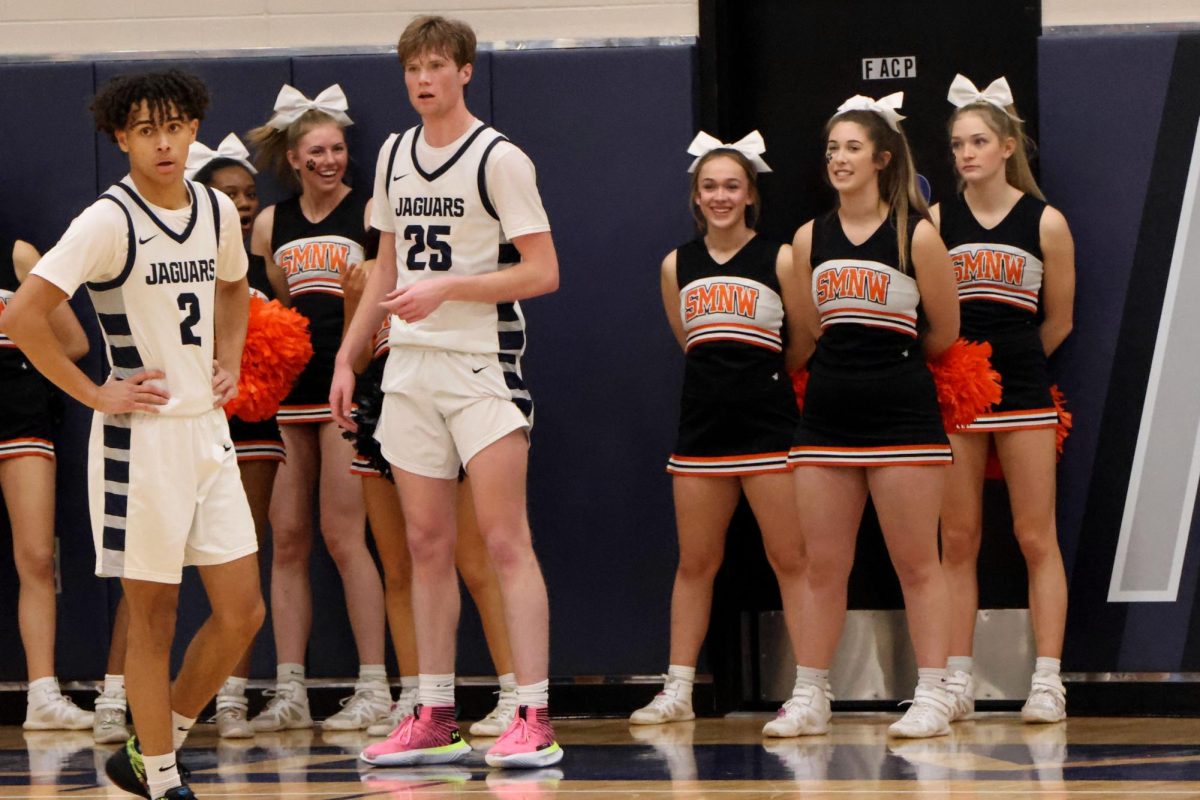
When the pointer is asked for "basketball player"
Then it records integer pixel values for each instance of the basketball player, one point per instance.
(165, 267)
(448, 194)
(259, 450)
(27, 473)
(470, 558)
(314, 245)
(1015, 263)
(881, 297)
(738, 410)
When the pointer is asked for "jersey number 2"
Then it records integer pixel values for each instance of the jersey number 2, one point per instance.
(190, 303)
(440, 257)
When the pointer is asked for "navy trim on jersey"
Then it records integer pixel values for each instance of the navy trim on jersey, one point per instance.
(131, 251)
(178, 237)
(392, 159)
(482, 179)
(432, 176)
(216, 211)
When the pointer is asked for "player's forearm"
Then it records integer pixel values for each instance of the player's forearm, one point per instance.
(229, 324)
(528, 279)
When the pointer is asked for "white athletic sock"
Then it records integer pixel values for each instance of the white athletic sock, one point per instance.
(373, 674)
(435, 690)
(289, 673)
(234, 687)
(114, 685)
(534, 695)
(1043, 666)
(409, 682)
(180, 727)
(808, 676)
(960, 664)
(508, 682)
(42, 690)
(931, 676)
(162, 773)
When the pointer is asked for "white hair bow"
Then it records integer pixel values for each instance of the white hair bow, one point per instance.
(963, 93)
(886, 107)
(291, 104)
(231, 147)
(751, 146)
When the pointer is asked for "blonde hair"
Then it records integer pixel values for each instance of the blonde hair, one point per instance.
(752, 208)
(449, 37)
(1007, 126)
(898, 178)
(271, 145)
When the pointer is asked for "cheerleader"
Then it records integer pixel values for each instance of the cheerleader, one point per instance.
(27, 481)
(314, 245)
(728, 295)
(1015, 263)
(881, 301)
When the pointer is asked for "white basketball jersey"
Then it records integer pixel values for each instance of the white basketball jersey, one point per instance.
(158, 312)
(446, 225)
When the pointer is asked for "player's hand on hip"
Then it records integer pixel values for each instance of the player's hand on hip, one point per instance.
(416, 302)
(224, 385)
(134, 393)
(341, 397)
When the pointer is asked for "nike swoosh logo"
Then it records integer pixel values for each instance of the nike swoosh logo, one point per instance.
(401, 177)
(166, 768)
(227, 447)
(148, 238)
(481, 369)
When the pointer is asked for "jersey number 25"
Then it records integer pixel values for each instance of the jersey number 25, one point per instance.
(422, 238)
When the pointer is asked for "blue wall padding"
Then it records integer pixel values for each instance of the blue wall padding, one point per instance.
(49, 175)
(607, 129)
(1095, 166)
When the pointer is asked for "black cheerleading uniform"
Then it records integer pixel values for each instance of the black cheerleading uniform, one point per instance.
(870, 400)
(313, 256)
(738, 410)
(369, 461)
(26, 424)
(257, 441)
(999, 273)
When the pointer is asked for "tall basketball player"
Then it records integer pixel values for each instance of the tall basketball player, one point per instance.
(164, 264)
(449, 194)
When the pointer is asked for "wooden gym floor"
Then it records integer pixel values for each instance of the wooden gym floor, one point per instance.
(994, 757)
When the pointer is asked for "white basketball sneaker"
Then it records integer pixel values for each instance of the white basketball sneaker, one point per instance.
(497, 722)
(403, 707)
(371, 703)
(806, 713)
(286, 711)
(672, 704)
(928, 716)
(109, 725)
(231, 719)
(51, 710)
(1047, 700)
(961, 687)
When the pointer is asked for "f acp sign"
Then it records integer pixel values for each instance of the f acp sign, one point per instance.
(889, 68)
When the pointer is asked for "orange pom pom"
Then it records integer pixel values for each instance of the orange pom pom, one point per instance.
(277, 349)
(966, 384)
(799, 385)
(1063, 429)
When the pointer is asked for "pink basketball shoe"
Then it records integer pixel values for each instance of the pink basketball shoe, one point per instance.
(429, 736)
(528, 743)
